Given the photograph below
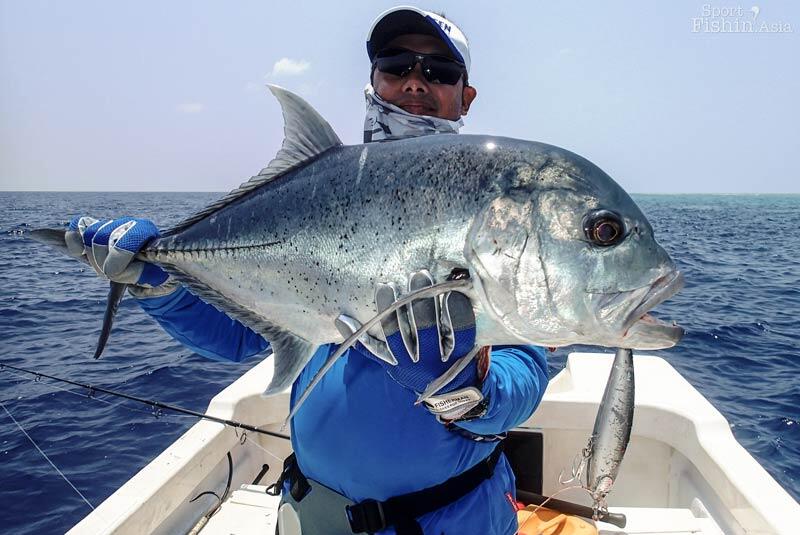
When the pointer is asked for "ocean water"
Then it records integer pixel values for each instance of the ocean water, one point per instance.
(740, 308)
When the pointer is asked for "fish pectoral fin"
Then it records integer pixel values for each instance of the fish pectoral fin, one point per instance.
(115, 294)
(290, 354)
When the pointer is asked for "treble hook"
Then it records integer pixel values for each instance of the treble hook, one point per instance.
(599, 509)
(578, 465)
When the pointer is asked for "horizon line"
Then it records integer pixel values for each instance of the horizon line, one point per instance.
(228, 191)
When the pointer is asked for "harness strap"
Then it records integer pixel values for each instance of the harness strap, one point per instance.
(298, 484)
(372, 516)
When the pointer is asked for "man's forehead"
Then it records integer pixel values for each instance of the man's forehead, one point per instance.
(424, 44)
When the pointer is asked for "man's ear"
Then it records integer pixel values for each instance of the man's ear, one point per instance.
(468, 94)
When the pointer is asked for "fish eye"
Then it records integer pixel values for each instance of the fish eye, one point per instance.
(604, 228)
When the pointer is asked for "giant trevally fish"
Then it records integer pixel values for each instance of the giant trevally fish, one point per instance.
(557, 253)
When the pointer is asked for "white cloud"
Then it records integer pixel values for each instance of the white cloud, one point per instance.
(289, 67)
(190, 107)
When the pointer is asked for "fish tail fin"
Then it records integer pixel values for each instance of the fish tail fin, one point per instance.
(56, 238)
(52, 237)
(115, 294)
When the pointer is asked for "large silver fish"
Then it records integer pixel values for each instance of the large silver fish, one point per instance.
(557, 252)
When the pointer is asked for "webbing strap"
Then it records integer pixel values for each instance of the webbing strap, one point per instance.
(371, 516)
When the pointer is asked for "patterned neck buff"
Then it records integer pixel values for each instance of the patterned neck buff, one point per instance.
(386, 121)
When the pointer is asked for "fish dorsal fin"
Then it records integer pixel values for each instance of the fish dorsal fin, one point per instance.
(306, 136)
(306, 133)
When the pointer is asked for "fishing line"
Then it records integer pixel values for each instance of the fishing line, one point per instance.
(53, 388)
(428, 291)
(536, 509)
(552, 496)
(243, 440)
(151, 403)
(155, 404)
(35, 445)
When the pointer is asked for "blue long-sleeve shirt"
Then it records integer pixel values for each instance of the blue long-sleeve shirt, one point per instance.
(359, 432)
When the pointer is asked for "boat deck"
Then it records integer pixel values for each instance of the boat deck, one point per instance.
(250, 511)
(684, 472)
(247, 510)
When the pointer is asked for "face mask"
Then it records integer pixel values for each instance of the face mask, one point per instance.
(386, 121)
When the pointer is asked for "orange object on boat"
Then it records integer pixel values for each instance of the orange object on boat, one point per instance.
(548, 522)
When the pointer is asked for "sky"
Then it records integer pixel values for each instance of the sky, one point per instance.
(666, 97)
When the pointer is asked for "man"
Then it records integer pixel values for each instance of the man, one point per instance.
(367, 458)
(393, 33)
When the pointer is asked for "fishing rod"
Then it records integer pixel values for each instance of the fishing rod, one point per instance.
(152, 403)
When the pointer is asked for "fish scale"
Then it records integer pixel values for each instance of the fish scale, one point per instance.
(309, 237)
(334, 256)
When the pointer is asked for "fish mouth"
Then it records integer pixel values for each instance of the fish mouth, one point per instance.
(644, 331)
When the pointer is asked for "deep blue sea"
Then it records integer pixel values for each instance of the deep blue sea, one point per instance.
(740, 306)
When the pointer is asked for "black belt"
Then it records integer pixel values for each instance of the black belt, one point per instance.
(372, 516)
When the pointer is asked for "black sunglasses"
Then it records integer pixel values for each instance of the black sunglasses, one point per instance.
(436, 69)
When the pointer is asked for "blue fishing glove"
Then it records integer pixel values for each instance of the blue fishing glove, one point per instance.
(110, 247)
(432, 341)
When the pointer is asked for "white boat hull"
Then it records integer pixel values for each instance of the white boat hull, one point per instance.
(683, 472)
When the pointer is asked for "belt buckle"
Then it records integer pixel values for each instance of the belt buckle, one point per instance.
(366, 516)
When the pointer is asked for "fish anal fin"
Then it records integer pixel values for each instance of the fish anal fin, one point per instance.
(291, 352)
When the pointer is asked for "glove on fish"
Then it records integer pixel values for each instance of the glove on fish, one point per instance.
(426, 342)
(110, 247)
